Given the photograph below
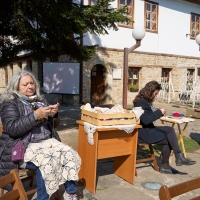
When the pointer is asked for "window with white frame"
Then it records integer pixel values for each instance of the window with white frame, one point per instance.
(190, 79)
(165, 74)
(151, 16)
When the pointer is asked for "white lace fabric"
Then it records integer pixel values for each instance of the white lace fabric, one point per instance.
(179, 120)
(90, 129)
(138, 111)
(57, 162)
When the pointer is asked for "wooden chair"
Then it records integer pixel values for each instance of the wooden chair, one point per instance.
(18, 191)
(167, 193)
(152, 158)
(1, 129)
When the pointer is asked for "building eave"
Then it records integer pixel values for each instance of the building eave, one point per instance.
(193, 1)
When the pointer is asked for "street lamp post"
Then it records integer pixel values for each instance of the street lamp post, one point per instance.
(138, 34)
(198, 40)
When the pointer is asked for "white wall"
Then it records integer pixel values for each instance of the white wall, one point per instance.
(173, 25)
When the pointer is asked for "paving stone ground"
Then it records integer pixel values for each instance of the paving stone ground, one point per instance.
(112, 187)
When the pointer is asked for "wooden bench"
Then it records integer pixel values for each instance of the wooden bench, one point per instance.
(167, 193)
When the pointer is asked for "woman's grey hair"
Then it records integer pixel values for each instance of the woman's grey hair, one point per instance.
(13, 86)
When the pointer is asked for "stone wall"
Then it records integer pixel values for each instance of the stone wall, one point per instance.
(150, 69)
(8, 71)
(150, 65)
(2, 78)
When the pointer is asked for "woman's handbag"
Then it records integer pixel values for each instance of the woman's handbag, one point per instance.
(19, 149)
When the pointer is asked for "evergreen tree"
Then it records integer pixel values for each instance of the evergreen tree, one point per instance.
(45, 27)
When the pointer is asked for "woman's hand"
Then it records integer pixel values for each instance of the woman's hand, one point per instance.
(43, 112)
(54, 109)
(163, 111)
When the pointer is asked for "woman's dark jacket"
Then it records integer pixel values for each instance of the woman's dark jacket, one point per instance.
(149, 133)
(15, 124)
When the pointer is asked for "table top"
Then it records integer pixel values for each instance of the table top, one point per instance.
(178, 120)
(80, 122)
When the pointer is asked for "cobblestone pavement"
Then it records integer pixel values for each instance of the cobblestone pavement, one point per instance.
(68, 116)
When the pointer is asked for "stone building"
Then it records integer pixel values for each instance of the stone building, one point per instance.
(168, 52)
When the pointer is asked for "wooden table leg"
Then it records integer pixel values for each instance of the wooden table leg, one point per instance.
(1, 192)
(88, 154)
(181, 133)
(172, 152)
(124, 166)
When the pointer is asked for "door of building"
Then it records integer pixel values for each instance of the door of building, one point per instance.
(98, 85)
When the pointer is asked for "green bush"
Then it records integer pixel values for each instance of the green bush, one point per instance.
(134, 87)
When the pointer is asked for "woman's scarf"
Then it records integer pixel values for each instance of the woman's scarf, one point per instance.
(32, 101)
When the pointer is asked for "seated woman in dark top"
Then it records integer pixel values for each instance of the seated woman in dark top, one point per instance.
(25, 111)
(164, 135)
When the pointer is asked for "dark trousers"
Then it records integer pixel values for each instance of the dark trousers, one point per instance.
(170, 143)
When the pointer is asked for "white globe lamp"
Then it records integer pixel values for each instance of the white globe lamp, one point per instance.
(198, 40)
(138, 33)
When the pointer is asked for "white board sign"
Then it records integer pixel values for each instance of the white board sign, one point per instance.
(60, 77)
(117, 72)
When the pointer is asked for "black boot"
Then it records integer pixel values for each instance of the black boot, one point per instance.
(181, 160)
(167, 169)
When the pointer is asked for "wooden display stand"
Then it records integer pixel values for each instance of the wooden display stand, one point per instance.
(99, 119)
(108, 143)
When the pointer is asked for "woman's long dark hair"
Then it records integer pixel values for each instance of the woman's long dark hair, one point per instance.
(147, 92)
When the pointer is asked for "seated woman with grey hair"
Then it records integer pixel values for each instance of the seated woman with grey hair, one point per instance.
(25, 112)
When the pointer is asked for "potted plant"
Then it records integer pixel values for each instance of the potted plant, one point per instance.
(133, 88)
(189, 86)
